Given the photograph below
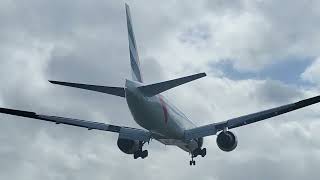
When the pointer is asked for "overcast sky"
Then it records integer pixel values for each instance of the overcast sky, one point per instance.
(257, 53)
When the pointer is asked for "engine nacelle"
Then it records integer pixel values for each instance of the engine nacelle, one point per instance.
(128, 146)
(227, 141)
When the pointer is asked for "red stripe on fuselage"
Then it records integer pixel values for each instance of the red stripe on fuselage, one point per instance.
(165, 110)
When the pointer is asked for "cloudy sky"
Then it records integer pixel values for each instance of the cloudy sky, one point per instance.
(257, 54)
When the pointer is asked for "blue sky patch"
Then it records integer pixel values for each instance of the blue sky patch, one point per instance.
(287, 71)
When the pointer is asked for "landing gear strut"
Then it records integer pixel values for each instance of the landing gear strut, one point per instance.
(192, 162)
(203, 152)
(197, 152)
(140, 153)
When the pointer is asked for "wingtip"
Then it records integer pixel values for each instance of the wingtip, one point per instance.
(52, 82)
(203, 74)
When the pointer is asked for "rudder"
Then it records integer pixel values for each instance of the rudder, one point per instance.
(134, 57)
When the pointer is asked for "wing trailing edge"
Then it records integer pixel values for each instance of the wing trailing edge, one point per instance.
(124, 132)
(212, 129)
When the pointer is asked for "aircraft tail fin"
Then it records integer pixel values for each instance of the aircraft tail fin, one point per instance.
(134, 57)
(157, 88)
(116, 91)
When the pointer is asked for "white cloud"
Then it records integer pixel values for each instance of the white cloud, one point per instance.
(312, 73)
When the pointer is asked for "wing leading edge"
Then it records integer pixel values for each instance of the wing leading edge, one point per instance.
(129, 133)
(212, 129)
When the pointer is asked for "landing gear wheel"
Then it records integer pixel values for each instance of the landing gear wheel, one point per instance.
(144, 154)
(192, 162)
(203, 152)
(137, 154)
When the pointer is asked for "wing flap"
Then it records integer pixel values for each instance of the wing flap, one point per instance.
(201, 131)
(135, 134)
(62, 120)
(80, 123)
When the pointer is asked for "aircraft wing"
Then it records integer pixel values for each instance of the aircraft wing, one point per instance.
(125, 132)
(212, 129)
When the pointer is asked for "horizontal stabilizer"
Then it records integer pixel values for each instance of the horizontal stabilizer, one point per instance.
(117, 91)
(157, 88)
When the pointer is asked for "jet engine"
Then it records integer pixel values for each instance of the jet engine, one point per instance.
(128, 146)
(227, 141)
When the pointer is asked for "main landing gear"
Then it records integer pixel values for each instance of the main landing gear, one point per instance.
(140, 153)
(192, 162)
(197, 152)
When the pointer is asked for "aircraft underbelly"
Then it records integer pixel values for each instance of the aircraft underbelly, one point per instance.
(152, 115)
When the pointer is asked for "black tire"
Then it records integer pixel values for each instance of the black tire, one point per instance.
(137, 154)
(203, 152)
(144, 154)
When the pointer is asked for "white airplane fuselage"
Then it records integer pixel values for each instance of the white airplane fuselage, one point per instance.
(157, 115)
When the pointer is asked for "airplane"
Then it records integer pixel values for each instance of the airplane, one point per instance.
(158, 118)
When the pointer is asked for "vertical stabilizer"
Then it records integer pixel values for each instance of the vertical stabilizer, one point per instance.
(134, 57)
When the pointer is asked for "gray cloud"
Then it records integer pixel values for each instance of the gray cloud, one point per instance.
(87, 42)
(276, 92)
